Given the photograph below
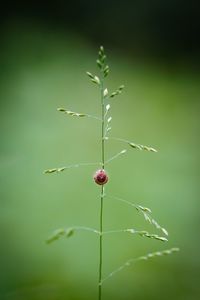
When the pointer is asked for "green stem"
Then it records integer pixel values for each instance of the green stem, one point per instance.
(102, 125)
(101, 242)
(102, 190)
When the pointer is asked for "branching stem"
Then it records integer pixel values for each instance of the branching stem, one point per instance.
(102, 190)
(145, 257)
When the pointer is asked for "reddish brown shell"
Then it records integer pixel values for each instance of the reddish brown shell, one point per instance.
(100, 177)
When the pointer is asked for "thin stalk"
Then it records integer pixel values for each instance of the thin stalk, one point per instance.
(101, 242)
(102, 125)
(102, 191)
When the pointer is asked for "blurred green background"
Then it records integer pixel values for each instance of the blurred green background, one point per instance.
(153, 50)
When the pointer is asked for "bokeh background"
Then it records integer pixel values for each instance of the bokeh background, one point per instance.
(153, 49)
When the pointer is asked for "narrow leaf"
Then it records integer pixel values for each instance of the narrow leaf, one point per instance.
(90, 75)
(102, 49)
(97, 79)
(56, 235)
(69, 232)
(105, 92)
(135, 146)
(145, 209)
(141, 147)
(117, 92)
(103, 58)
(106, 71)
(113, 94)
(99, 64)
(107, 107)
(55, 170)
(121, 87)
(148, 235)
(49, 171)
(71, 113)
